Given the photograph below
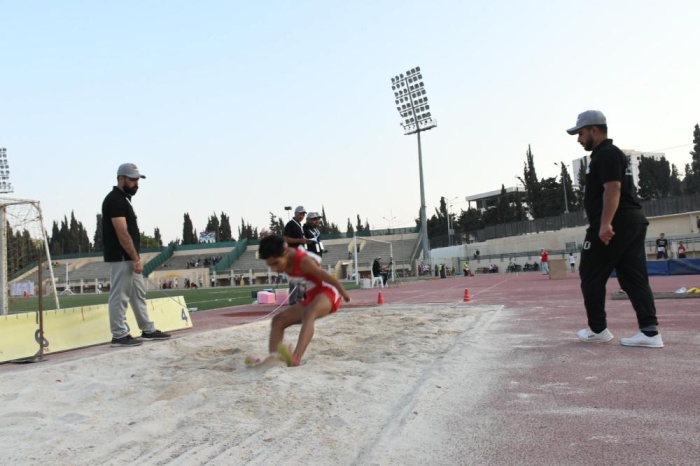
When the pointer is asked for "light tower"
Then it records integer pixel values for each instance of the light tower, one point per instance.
(5, 185)
(412, 104)
(450, 229)
(5, 188)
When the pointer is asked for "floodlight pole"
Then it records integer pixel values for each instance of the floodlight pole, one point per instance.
(448, 205)
(423, 219)
(5, 188)
(420, 120)
(4, 305)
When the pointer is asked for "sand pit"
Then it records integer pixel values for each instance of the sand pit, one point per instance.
(191, 400)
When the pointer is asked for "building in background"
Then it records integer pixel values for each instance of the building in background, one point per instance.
(483, 201)
(633, 156)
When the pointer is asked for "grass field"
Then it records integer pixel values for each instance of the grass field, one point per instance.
(203, 299)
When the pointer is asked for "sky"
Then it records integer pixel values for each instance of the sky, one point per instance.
(247, 107)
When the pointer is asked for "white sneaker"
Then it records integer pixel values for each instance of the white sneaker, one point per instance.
(642, 340)
(589, 336)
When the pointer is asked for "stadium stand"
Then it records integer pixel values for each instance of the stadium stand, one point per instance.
(171, 263)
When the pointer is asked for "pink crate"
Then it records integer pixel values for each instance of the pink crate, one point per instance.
(265, 297)
(281, 296)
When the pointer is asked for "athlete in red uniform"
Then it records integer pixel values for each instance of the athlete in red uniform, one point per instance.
(323, 292)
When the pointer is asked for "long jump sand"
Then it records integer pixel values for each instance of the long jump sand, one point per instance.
(192, 400)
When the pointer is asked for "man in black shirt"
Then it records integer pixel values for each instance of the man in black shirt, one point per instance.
(293, 231)
(121, 237)
(294, 236)
(313, 234)
(661, 247)
(615, 236)
(379, 271)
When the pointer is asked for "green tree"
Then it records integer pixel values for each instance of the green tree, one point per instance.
(437, 223)
(349, 231)
(533, 188)
(470, 220)
(74, 234)
(189, 236)
(676, 187)
(654, 178)
(246, 231)
(214, 227)
(65, 236)
(98, 242)
(148, 241)
(55, 243)
(571, 197)
(551, 198)
(687, 183)
(519, 210)
(490, 216)
(327, 227)
(504, 211)
(691, 181)
(581, 178)
(157, 237)
(276, 224)
(22, 250)
(359, 228)
(225, 233)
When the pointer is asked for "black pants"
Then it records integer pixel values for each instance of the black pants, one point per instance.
(296, 291)
(625, 253)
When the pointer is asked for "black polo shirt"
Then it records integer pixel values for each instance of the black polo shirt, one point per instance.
(376, 268)
(118, 204)
(293, 229)
(609, 163)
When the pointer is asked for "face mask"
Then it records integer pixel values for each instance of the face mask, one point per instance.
(131, 191)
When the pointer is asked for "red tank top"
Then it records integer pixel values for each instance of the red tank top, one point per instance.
(311, 280)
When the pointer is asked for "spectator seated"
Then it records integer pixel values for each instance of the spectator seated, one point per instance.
(376, 279)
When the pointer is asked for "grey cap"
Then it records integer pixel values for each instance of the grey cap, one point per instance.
(130, 171)
(588, 118)
(299, 210)
(313, 215)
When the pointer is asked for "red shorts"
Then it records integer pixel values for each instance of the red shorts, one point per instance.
(329, 291)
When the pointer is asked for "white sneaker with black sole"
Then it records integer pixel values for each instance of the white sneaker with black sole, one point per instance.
(644, 341)
(589, 336)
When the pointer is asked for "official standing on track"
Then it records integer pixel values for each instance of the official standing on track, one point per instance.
(615, 236)
(122, 239)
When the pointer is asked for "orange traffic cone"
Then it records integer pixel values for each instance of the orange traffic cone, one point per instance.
(467, 298)
(380, 298)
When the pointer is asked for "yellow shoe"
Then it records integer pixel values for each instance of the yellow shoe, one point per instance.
(285, 353)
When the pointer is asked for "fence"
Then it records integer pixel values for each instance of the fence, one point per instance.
(653, 208)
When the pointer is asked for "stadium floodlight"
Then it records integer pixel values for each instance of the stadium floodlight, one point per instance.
(413, 107)
(5, 185)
